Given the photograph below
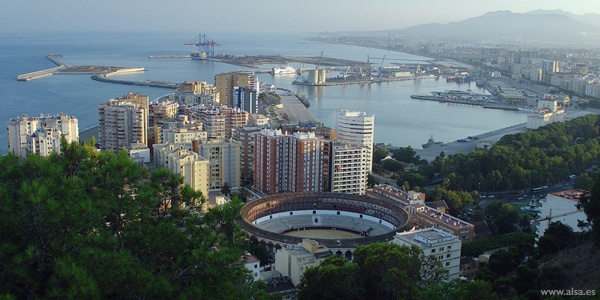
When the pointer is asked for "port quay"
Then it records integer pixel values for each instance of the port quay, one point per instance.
(103, 73)
(315, 76)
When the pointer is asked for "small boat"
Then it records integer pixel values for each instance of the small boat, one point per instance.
(432, 143)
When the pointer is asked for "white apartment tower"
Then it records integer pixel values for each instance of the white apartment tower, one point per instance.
(41, 134)
(350, 168)
(357, 129)
(123, 122)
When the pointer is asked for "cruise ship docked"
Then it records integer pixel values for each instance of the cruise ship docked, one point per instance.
(283, 71)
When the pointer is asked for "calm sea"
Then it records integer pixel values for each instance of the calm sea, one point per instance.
(398, 119)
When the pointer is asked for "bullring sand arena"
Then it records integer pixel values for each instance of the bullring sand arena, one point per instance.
(334, 220)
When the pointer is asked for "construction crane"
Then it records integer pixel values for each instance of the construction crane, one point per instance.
(550, 216)
(206, 46)
(319, 62)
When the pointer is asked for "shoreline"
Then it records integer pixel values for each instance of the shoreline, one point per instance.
(86, 134)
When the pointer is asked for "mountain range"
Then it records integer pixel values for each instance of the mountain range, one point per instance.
(550, 27)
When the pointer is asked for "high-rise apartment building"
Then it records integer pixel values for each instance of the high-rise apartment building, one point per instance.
(196, 93)
(246, 136)
(123, 122)
(159, 110)
(289, 163)
(356, 129)
(350, 168)
(41, 134)
(224, 159)
(219, 122)
(225, 82)
(193, 167)
(246, 99)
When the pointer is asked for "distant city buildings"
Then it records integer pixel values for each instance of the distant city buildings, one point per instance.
(548, 111)
(246, 99)
(41, 135)
(196, 93)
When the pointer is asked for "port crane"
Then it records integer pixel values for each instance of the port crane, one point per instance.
(381, 66)
(206, 46)
(319, 62)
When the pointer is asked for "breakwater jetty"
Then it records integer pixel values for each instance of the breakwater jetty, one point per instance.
(99, 73)
(105, 77)
(46, 72)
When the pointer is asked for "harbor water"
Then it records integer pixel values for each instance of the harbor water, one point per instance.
(399, 120)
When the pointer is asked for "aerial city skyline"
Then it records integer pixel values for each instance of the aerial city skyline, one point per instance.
(152, 166)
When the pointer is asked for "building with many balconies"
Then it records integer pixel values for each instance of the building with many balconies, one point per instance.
(357, 129)
(219, 122)
(350, 168)
(123, 122)
(289, 163)
(41, 135)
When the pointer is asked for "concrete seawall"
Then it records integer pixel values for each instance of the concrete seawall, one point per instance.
(45, 72)
(105, 77)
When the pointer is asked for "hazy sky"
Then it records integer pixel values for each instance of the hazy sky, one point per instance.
(258, 15)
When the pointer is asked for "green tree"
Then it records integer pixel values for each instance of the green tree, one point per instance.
(379, 153)
(501, 217)
(406, 154)
(226, 189)
(88, 224)
(458, 290)
(334, 278)
(557, 236)
(378, 271)
(591, 206)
